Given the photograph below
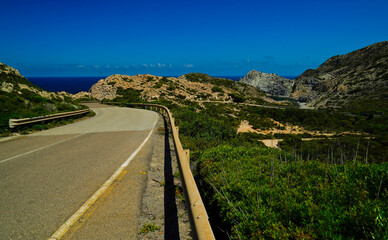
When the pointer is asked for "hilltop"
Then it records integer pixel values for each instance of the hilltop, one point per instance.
(193, 87)
(357, 81)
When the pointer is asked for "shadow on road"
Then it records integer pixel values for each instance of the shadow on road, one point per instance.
(171, 228)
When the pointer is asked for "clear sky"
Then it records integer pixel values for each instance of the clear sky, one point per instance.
(167, 38)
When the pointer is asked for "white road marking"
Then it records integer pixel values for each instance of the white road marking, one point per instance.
(81, 211)
(23, 154)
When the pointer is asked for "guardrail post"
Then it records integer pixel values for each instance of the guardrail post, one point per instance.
(187, 153)
(10, 122)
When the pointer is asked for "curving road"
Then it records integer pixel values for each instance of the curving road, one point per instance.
(47, 176)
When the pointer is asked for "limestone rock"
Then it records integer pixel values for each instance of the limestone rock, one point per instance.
(8, 70)
(6, 87)
(269, 83)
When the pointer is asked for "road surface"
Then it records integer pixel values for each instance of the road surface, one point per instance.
(47, 176)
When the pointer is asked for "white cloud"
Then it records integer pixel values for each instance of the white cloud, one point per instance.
(188, 65)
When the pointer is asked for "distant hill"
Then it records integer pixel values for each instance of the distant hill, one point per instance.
(357, 81)
(20, 98)
(194, 87)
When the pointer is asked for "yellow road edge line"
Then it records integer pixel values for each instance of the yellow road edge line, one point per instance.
(78, 224)
(81, 211)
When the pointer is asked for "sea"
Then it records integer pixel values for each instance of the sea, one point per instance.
(78, 84)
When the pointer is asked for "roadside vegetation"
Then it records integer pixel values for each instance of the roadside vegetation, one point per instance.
(330, 188)
(327, 188)
(20, 102)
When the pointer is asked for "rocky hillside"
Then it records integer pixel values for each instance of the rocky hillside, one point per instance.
(357, 81)
(20, 98)
(269, 83)
(190, 87)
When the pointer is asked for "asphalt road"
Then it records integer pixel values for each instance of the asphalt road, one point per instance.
(47, 176)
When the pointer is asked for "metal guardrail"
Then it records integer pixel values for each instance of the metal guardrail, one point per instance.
(22, 121)
(200, 220)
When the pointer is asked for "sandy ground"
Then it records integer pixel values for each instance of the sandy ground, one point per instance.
(287, 129)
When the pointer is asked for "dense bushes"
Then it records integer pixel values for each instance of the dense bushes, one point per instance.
(128, 95)
(311, 120)
(268, 194)
(320, 189)
(22, 103)
(237, 98)
(201, 131)
(339, 149)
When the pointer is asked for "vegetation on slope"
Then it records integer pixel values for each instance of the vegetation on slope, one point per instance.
(268, 194)
(19, 98)
(324, 189)
(330, 188)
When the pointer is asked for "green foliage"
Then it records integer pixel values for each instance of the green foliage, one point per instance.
(319, 189)
(162, 81)
(158, 85)
(269, 194)
(311, 120)
(204, 78)
(200, 130)
(149, 227)
(217, 89)
(339, 149)
(150, 79)
(128, 95)
(23, 103)
(237, 98)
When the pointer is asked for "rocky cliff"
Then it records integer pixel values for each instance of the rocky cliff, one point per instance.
(357, 81)
(269, 83)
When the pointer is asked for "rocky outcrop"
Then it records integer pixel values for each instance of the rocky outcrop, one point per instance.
(7, 70)
(102, 90)
(155, 88)
(12, 82)
(354, 81)
(269, 83)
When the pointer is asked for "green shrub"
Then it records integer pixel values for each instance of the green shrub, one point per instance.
(269, 194)
(201, 129)
(217, 89)
(149, 227)
(237, 98)
(128, 95)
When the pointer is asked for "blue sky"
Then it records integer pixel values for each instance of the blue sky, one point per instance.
(220, 38)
